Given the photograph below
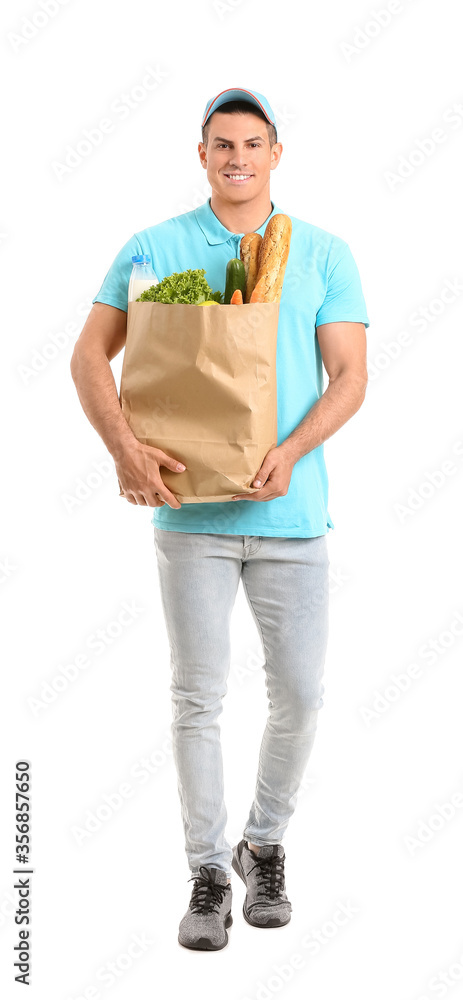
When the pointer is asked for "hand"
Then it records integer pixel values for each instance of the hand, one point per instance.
(274, 474)
(139, 476)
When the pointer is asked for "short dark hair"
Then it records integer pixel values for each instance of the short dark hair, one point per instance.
(242, 108)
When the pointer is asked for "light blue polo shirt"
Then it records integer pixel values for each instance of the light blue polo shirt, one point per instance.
(321, 285)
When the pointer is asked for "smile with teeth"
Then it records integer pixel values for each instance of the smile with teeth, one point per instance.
(236, 178)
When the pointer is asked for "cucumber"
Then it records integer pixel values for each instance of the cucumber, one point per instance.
(235, 278)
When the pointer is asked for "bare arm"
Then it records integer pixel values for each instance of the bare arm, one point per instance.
(102, 337)
(137, 465)
(343, 349)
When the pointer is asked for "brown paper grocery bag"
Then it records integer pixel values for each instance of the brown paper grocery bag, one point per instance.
(200, 383)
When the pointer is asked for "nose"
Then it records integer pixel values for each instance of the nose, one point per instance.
(238, 159)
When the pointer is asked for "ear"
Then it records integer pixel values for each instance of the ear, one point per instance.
(202, 154)
(276, 152)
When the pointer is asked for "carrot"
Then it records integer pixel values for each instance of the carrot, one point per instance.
(237, 298)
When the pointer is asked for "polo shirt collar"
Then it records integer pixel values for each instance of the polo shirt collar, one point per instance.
(213, 229)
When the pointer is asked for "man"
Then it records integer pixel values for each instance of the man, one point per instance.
(274, 540)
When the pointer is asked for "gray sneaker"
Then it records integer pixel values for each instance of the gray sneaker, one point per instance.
(266, 903)
(209, 912)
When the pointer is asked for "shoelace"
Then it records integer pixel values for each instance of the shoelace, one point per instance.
(206, 895)
(270, 876)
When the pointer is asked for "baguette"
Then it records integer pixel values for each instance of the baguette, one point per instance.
(273, 256)
(249, 253)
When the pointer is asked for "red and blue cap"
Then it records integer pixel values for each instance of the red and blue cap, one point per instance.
(239, 94)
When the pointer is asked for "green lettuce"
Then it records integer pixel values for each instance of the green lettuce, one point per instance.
(184, 287)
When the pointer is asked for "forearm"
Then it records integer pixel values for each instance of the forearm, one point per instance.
(97, 391)
(342, 398)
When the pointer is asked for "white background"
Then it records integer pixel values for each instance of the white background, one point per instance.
(351, 109)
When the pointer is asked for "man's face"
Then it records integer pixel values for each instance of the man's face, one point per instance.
(238, 157)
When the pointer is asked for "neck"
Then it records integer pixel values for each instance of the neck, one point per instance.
(246, 217)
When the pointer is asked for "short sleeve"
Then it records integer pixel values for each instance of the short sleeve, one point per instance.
(115, 288)
(344, 301)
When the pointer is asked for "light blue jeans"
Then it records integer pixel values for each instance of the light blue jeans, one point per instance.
(286, 584)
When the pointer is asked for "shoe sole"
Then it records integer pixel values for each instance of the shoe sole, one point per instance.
(205, 944)
(273, 921)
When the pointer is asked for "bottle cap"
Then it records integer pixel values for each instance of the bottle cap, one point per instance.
(144, 258)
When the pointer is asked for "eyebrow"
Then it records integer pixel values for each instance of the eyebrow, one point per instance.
(219, 138)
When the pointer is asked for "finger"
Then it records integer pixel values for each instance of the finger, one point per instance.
(270, 492)
(262, 476)
(260, 495)
(141, 499)
(170, 499)
(166, 496)
(159, 499)
(248, 496)
(130, 497)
